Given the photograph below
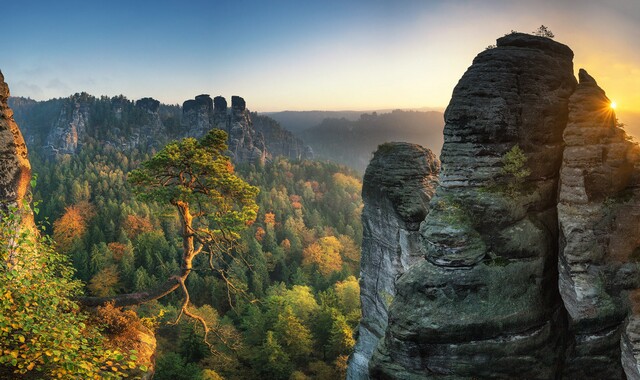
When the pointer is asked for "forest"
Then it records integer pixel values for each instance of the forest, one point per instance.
(282, 301)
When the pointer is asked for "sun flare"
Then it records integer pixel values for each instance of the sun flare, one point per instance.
(613, 105)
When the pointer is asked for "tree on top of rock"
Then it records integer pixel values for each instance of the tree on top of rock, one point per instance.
(543, 31)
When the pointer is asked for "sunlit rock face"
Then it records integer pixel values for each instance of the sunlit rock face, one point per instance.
(15, 169)
(485, 302)
(599, 216)
(397, 187)
(70, 128)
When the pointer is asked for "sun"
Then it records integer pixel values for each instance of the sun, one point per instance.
(613, 105)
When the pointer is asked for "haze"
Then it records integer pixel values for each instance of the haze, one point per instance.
(299, 55)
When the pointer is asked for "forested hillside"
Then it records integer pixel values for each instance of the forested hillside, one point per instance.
(286, 305)
(352, 143)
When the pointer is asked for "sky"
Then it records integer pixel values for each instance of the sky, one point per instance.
(299, 54)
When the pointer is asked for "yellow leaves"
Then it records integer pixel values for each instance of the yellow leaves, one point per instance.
(31, 365)
(21, 338)
(325, 253)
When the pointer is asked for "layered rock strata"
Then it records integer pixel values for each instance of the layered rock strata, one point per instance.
(397, 187)
(599, 217)
(15, 169)
(485, 302)
(248, 141)
(70, 128)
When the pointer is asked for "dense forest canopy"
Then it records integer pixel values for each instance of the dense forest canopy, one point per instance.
(287, 308)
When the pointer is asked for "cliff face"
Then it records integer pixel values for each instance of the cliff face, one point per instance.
(70, 128)
(15, 169)
(532, 238)
(485, 301)
(599, 215)
(397, 186)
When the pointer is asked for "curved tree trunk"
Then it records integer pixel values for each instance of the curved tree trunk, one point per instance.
(171, 284)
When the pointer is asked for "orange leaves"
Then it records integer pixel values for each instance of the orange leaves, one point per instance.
(260, 232)
(270, 218)
(296, 201)
(117, 250)
(325, 254)
(135, 225)
(70, 227)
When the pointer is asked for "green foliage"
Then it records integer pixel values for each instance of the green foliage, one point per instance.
(172, 366)
(514, 167)
(308, 200)
(42, 330)
(198, 173)
(272, 362)
(543, 31)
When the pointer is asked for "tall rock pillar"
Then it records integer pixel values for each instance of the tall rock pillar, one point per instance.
(396, 189)
(485, 302)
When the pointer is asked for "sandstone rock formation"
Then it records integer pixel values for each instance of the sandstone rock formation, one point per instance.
(249, 140)
(599, 216)
(15, 169)
(15, 177)
(70, 128)
(485, 302)
(397, 187)
(531, 266)
(197, 115)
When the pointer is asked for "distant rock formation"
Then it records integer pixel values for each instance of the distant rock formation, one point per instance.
(197, 115)
(397, 187)
(148, 104)
(249, 141)
(599, 215)
(15, 169)
(70, 128)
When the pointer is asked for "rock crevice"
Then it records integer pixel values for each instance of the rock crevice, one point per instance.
(531, 240)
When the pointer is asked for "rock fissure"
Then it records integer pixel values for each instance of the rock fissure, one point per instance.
(537, 284)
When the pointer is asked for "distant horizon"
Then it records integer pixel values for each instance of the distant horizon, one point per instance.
(292, 55)
(387, 109)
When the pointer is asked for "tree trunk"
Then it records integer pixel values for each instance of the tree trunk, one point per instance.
(171, 284)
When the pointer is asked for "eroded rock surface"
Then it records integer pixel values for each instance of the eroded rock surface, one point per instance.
(15, 169)
(397, 187)
(485, 302)
(249, 140)
(69, 130)
(599, 216)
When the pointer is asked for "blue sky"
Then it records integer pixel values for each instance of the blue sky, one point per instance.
(297, 54)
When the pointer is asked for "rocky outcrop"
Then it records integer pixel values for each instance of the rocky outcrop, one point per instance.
(15, 169)
(250, 140)
(70, 128)
(397, 187)
(150, 105)
(485, 302)
(599, 216)
(197, 115)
